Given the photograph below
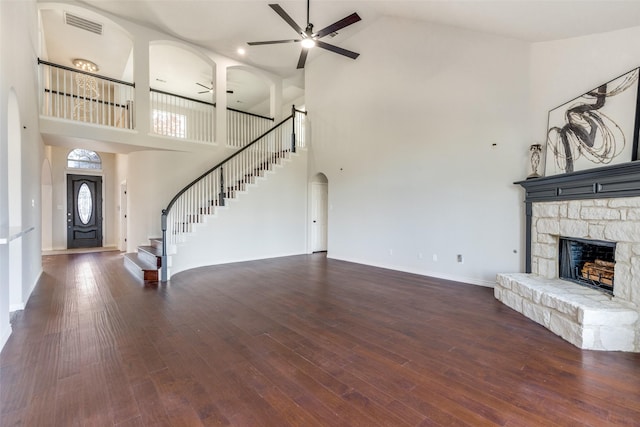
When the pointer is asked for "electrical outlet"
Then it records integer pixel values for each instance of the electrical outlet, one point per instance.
(390, 251)
(420, 255)
(435, 257)
(460, 259)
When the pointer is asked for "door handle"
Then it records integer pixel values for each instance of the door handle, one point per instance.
(314, 221)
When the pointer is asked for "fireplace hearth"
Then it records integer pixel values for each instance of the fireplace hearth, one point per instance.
(589, 263)
(592, 218)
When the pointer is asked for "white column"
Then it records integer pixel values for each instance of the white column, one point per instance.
(142, 109)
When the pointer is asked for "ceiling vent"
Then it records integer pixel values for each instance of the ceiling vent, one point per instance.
(82, 23)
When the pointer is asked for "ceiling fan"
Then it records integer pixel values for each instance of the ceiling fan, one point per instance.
(309, 38)
(209, 89)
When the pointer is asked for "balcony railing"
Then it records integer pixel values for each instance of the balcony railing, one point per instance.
(181, 117)
(77, 95)
(72, 94)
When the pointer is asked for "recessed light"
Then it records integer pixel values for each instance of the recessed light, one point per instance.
(241, 51)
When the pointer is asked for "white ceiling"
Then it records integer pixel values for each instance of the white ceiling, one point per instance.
(225, 25)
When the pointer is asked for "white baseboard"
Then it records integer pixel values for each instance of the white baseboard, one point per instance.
(4, 335)
(453, 278)
(16, 307)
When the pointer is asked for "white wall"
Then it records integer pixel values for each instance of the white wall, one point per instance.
(18, 50)
(405, 135)
(268, 220)
(562, 70)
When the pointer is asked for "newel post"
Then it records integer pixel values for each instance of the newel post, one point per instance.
(293, 129)
(221, 196)
(163, 269)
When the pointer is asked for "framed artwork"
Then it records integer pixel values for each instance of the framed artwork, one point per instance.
(598, 128)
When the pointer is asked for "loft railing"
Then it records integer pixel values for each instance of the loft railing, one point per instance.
(73, 94)
(211, 189)
(181, 117)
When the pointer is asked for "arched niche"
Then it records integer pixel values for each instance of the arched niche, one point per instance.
(179, 69)
(253, 91)
(109, 45)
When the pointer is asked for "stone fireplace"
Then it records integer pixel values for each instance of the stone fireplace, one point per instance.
(600, 206)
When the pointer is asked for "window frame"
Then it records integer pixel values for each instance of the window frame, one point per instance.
(79, 162)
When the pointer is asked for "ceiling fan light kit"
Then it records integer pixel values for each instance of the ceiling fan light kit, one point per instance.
(309, 39)
(308, 43)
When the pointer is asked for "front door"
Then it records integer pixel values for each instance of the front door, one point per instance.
(84, 211)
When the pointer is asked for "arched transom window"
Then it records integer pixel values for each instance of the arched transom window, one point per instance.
(80, 158)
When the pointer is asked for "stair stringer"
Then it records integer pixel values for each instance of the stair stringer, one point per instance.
(266, 220)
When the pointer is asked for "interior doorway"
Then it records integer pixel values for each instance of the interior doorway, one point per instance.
(84, 211)
(123, 216)
(319, 213)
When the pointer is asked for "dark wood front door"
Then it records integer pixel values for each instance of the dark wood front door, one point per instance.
(84, 211)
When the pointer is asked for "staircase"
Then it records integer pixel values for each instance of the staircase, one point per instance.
(146, 263)
(212, 190)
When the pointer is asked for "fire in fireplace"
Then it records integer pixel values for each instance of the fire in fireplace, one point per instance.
(588, 262)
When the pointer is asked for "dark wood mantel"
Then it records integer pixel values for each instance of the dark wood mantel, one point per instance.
(607, 182)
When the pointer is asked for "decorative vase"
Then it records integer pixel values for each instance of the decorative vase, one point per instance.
(535, 149)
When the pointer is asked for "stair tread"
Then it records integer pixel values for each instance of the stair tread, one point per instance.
(153, 250)
(144, 265)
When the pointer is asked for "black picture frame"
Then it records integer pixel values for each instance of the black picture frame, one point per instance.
(596, 129)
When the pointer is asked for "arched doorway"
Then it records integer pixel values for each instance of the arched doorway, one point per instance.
(319, 213)
(14, 158)
(84, 199)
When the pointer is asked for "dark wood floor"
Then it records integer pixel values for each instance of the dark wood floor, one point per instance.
(301, 341)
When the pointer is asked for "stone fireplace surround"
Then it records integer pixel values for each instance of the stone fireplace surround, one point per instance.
(600, 204)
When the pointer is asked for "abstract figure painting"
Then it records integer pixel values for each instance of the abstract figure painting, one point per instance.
(598, 128)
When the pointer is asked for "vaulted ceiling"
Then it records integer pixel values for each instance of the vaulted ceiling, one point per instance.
(224, 26)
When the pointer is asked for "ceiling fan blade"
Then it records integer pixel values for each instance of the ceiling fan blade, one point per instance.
(303, 58)
(336, 49)
(273, 42)
(351, 19)
(280, 11)
(206, 87)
